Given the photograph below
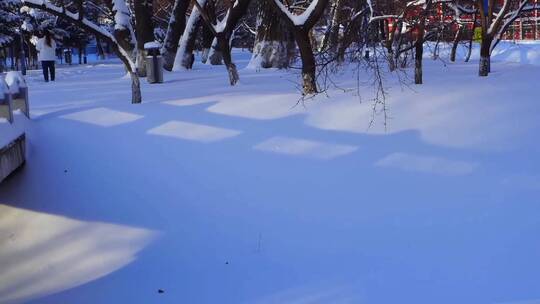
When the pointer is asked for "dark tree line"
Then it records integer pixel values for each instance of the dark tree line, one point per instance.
(314, 35)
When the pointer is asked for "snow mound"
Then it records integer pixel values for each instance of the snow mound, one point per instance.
(522, 52)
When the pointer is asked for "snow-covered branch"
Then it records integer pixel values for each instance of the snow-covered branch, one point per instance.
(510, 17)
(74, 17)
(307, 18)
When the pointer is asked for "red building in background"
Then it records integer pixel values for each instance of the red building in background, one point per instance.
(526, 27)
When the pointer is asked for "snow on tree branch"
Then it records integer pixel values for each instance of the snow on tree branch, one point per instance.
(62, 12)
(121, 15)
(306, 17)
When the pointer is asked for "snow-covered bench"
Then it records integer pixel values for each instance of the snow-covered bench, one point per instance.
(12, 136)
(6, 110)
(19, 92)
(12, 156)
(13, 95)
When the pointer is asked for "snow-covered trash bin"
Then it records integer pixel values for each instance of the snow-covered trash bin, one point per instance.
(19, 92)
(6, 112)
(154, 63)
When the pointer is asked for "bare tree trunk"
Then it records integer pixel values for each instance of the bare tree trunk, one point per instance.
(214, 52)
(436, 48)
(419, 52)
(419, 46)
(100, 51)
(469, 51)
(309, 83)
(145, 31)
(215, 56)
(135, 88)
(207, 39)
(13, 57)
(80, 53)
(136, 96)
(31, 53)
(184, 54)
(189, 57)
(457, 39)
(223, 44)
(330, 39)
(176, 26)
(485, 56)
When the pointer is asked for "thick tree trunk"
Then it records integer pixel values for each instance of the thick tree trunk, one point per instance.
(309, 83)
(274, 45)
(301, 36)
(207, 39)
(145, 31)
(214, 54)
(184, 55)
(80, 55)
(419, 44)
(122, 54)
(188, 57)
(210, 44)
(136, 96)
(140, 60)
(485, 56)
(12, 56)
(177, 24)
(484, 65)
(135, 88)
(100, 51)
(223, 44)
(457, 39)
(419, 52)
(31, 54)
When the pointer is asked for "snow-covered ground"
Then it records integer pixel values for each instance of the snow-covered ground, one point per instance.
(218, 194)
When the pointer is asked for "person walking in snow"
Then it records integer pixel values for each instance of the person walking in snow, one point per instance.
(46, 47)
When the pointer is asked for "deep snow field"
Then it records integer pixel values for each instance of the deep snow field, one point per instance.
(219, 194)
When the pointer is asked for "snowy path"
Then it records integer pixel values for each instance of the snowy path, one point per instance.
(233, 195)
